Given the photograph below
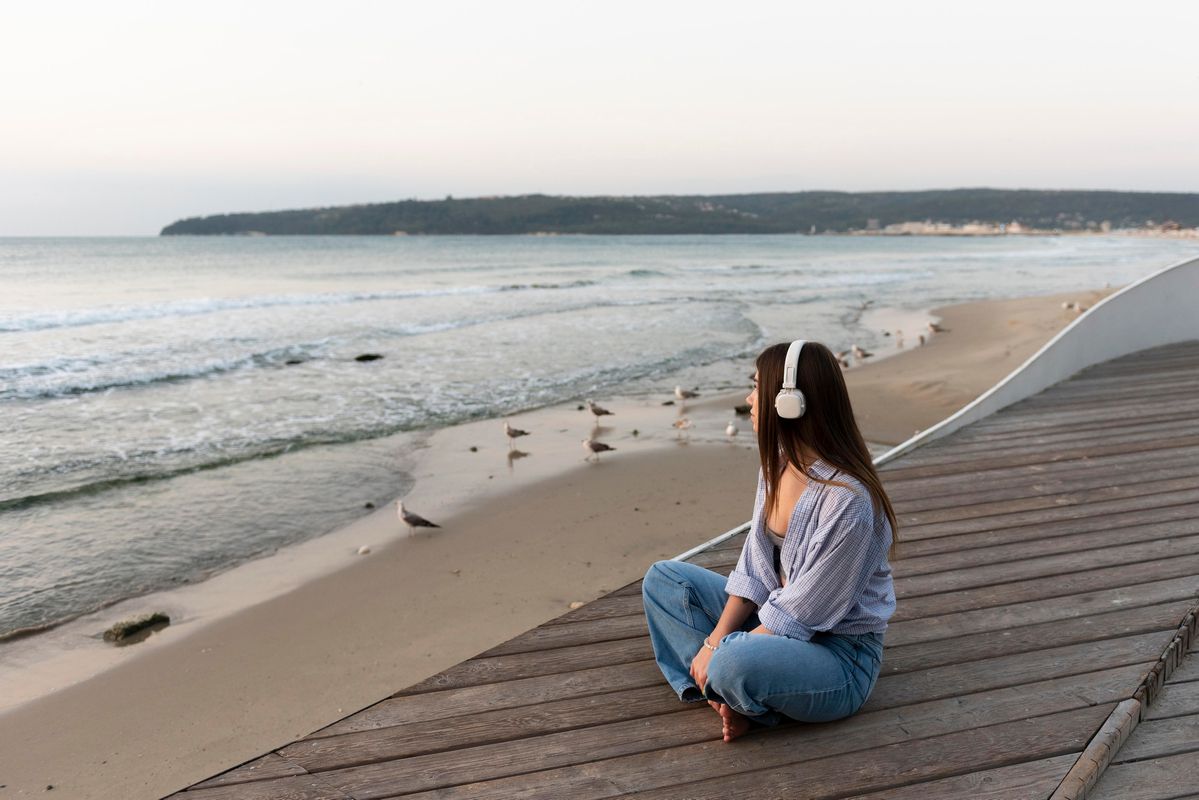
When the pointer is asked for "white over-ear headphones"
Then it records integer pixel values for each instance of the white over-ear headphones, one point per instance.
(789, 402)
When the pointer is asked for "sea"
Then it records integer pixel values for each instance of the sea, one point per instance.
(171, 407)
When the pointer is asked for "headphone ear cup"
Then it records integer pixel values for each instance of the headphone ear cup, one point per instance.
(789, 404)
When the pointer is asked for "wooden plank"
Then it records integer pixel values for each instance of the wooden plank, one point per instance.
(527, 665)
(1175, 700)
(1062, 563)
(907, 762)
(1057, 478)
(994, 673)
(709, 757)
(1016, 432)
(599, 742)
(1122, 388)
(999, 618)
(547, 637)
(1064, 454)
(1017, 502)
(409, 709)
(488, 727)
(1031, 638)
(895, 481)
(1035, 440)
(1042, 440)
(1065, 478)
(270, 765)
(1095, 511)
(1017, 551)
(1188, 670)
(1160, 779)
(1041, 589)
(607, 606)
(1162, 737)
(912, 548)
(298, 787)
(1030, 780)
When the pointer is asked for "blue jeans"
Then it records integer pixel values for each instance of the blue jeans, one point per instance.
(763, 677)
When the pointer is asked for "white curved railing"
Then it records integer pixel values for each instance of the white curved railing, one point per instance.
(1159, 309)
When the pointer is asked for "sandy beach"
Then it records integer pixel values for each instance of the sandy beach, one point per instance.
(521, 539)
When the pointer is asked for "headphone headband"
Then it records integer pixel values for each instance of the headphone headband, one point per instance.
(791, 365)
(790, 402)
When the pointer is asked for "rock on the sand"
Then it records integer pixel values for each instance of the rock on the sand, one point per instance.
(127, 628)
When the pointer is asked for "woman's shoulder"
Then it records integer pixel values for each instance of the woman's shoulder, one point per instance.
(843, 491)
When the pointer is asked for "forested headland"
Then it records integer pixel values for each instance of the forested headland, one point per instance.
(783, 212)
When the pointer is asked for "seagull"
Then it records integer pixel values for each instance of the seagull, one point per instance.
(1067, 305)
(899, 340)
(513, 433)
(860, 353)
(682, 424)
(921, 338)
(1079, 307)
(844, 362)
(412, 520)
(935, 328)
(731, 430)
(594, 448)
(684, 394)
(599, 411)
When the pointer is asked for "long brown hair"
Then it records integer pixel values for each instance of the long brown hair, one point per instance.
(827, 427)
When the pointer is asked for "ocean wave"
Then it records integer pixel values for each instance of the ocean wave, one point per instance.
(202, 306)
(37, 381)
(77, 376)
(516, 287)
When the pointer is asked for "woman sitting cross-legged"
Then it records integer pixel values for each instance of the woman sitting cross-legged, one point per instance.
(796, 631)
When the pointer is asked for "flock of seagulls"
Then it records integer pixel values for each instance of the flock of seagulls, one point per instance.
(860, 354)
(594, 446)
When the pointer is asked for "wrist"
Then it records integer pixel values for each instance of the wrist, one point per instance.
(709, 645)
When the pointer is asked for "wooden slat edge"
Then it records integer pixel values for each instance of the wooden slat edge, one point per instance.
(1099, 752)
(1173, 654)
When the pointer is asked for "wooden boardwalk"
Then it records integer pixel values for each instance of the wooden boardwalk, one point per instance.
(1050, 553)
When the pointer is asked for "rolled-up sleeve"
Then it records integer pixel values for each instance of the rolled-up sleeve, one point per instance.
(843, 555)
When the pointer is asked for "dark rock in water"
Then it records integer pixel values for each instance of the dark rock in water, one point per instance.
(668, 402)
(368, 505)
(579, 408)
(368, 357)
(742, 410)
(123, 632)
(474, 449)
(291, 362)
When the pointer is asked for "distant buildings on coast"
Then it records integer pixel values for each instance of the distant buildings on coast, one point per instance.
(1168, 229)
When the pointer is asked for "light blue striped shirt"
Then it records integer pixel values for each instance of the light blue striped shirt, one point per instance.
(835, 555)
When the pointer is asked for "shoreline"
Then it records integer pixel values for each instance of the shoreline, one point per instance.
(332, 635)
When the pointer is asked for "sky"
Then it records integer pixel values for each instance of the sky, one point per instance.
(120, 117)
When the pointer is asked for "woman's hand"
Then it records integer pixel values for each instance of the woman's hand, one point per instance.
(699, 667)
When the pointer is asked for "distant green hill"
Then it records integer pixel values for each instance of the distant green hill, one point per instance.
(789, 212)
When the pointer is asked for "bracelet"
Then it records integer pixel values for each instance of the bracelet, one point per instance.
(710, 647)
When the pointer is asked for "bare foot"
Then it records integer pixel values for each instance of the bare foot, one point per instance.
(734, 724)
